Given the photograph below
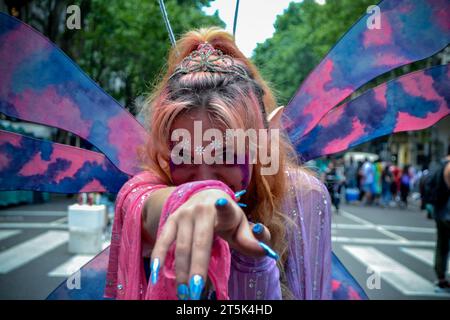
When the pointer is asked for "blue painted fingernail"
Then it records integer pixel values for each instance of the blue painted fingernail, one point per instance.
(196, 287)
(221, 202)
(243, 205)
(269, 252)
(240, 193)
(258, 228)
(183, 292)
(155, 270)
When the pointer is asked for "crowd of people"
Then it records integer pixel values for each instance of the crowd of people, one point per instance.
(370, 182)
(385, 184)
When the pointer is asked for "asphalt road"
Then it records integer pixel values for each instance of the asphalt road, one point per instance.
(389, 251)
(34, 256)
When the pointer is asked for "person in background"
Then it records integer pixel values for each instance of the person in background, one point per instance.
(415, 177)
(395, 185)
(359, 181)
(386, 180)
(340, 172)
(442, 218)
(367, 181)
(378, 169)
(331, 179)
(405, 186)
(423, 202)
(351, 174)
(435, 192)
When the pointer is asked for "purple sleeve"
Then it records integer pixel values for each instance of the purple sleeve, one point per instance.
(309, 262)
(308, 268)
(253, 278)
(324, 275)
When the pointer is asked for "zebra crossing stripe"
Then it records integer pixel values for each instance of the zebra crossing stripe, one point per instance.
(377, 241)
(74, 264)
(70, 266)
(376, 227)
(34, 225)
(31, 213)
(27, 251)
(348, 226)
(397, 275)
(4, 234)
(424, 255)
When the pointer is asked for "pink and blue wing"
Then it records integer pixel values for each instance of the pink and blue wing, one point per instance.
(412, 102)
(92, 277)
(41, 84)
(343, 285)
(31, 164)
(411, 30)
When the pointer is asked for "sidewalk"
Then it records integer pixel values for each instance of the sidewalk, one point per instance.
(57, 204)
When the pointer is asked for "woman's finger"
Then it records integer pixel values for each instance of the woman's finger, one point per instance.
(161, 247)
(245, 242)
(226, 216)
(201, 252)
(261, 232)
(183, 256)
(239, 194)
(242, 237)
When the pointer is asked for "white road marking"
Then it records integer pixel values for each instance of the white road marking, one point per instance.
(398, 276)
(33, 225)
(60, 220)
(27, 251)
(387, 227)
(70, 266)
(375, 227)
(74, 264)
(390, 242)
(33, 213)
(409, 229)
(424, 255)
(8, 233)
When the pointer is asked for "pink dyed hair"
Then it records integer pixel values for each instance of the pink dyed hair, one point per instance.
(231, 103)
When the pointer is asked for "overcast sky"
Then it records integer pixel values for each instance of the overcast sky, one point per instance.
(255, 19)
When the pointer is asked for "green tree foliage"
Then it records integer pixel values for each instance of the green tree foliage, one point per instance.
(123, 44)
(304, 34)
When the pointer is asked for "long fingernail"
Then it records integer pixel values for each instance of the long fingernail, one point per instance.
(240, 193)
(183, 292)
(258, 228)
(196, 286)
(268, 250)
(221, 202)
(240, 204)
(155, 270)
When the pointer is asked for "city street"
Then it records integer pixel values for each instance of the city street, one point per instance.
(34, 257)
(106, 100)
(396, 245)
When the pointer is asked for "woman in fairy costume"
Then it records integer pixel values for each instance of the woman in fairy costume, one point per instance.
(218, 230)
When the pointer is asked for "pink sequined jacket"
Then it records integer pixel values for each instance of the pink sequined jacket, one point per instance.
(307, 269)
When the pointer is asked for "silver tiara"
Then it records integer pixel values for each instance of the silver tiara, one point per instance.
(208, 59)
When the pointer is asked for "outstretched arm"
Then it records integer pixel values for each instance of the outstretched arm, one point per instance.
(150, 217)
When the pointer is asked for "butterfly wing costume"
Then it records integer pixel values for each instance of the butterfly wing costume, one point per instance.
(40, 84)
